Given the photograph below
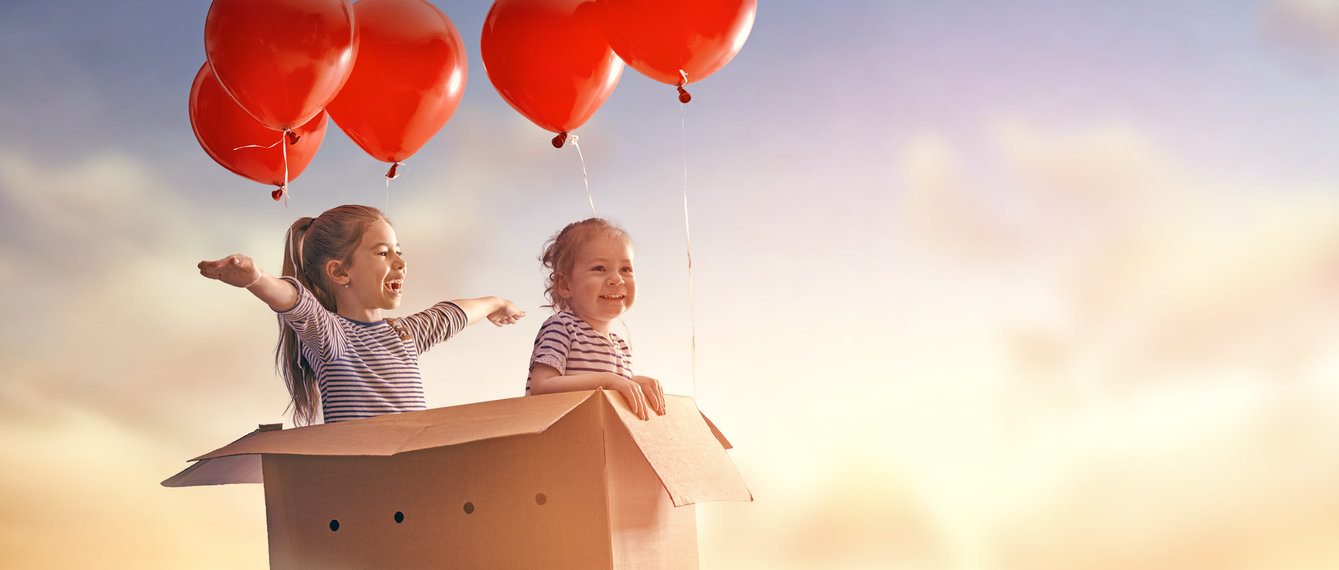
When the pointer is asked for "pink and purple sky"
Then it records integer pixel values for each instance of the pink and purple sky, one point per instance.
(1025, 285)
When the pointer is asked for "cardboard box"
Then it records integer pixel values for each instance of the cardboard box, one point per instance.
(569, 480)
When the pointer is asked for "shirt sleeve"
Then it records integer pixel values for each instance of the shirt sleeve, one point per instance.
(435, 324)
(313, 324)
(552, 345)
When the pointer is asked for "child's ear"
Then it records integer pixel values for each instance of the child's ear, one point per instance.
(335, 271)
(560, 286)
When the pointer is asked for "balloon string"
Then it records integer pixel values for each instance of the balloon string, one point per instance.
(584, 177)
(391, 175)
(292, 139)
(688, 249)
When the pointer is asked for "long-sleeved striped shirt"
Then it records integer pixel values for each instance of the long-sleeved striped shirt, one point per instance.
(368, 369)
(571, 346)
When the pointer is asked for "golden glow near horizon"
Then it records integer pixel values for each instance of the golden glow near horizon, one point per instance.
(1002, 307)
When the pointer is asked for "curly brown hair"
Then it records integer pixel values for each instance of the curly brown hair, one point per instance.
(560, 253)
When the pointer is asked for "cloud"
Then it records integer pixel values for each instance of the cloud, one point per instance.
(1164, 335)
(941, 211)
(82, 492)
(1157, 271)
(1310, 26)
(113, 307)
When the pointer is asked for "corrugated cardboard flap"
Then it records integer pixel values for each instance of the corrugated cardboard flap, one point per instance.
(239, 462)
(686, 452)
(218, 471)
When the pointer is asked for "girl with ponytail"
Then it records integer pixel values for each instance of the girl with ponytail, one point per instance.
(340, 358)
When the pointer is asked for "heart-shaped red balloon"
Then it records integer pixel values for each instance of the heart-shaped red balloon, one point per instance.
(549, 60)
(407, 79)
(669, 41)
(282, 61)
(237, 142)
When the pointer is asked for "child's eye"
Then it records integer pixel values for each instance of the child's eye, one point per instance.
(627, 269)
(597, 268)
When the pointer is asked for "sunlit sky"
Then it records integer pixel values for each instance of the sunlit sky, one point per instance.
(1020, 285)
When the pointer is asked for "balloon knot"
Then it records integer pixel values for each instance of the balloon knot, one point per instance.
(560, 139)
(292, 137)
(278, 192)
(684, 97)
(391, 173)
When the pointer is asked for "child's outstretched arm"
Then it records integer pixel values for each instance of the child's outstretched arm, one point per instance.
(240, 271)
(497, 310)
(640, 392)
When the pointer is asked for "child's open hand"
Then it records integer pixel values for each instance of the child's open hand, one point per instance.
(655, 397)
(632, 394)
(237, 270)
(507, 313)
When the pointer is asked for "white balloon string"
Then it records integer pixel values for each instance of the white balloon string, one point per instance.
(391, 175)
(284, 189)
(584, 176)
(688, 249)
(257, 145)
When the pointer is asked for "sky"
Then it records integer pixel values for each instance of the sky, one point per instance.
(975, 285)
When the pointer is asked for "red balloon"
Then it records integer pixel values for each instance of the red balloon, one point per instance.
(223, 128)
(549, 60)
(662, 38)
(407, 79)
(281, 60)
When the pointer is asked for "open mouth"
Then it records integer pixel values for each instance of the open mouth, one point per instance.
(394, 286)
(613, 296)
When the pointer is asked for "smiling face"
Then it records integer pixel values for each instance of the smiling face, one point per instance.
(374, 275)
(600, 285)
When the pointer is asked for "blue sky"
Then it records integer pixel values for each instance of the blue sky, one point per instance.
(1065, 250)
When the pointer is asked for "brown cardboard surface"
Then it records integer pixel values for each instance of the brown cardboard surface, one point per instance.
(397, 433)
(569, 480)
(223, 470)
(647, 531)
(685, 454)
(219, 471)
(470, 506)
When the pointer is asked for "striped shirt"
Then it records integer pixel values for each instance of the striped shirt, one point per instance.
(368, 369)
(571, 346)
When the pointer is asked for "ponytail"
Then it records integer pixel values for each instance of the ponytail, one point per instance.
(298, 374)
(309, 244)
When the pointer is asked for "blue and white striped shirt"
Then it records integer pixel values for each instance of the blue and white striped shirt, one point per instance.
(368, 369)
(571, 346)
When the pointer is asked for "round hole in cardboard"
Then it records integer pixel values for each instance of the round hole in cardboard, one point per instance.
(334, 525)
(469, 507)
(399, 517)
(541, 499)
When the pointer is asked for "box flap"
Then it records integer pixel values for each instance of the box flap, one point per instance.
(684, 451)
(224, 470)
(717, 432)
(218, 471)
(412, 431)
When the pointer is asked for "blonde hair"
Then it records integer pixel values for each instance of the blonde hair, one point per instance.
(560, 253)
(308, 245)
